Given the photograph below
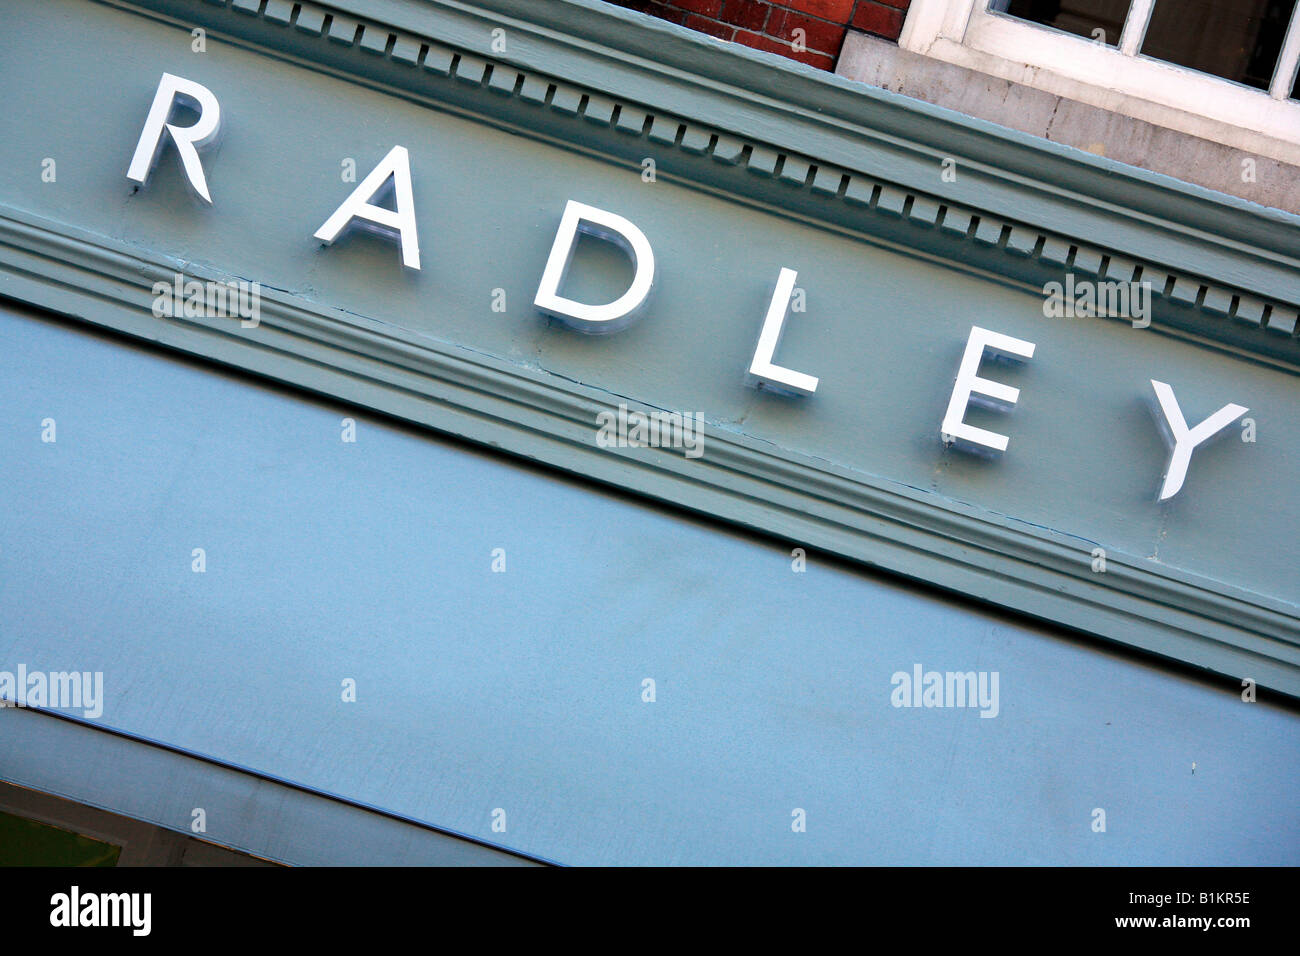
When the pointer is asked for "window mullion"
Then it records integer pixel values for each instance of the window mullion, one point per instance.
(1135, 26)
(1287, 60)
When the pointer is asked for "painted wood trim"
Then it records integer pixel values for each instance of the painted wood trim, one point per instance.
(550, 419)
(807, 143)
(296, 824)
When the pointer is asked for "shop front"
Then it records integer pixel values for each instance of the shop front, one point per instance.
(494, 432)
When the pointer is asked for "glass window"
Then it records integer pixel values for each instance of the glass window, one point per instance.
(1236, 39)
(26, 842)
(1082, 17)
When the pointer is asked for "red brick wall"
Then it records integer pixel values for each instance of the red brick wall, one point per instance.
(771, 24)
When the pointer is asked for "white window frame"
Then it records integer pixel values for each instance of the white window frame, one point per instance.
(1117, 78)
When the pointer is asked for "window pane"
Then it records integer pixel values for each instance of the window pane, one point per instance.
(26, 842)
(1235, 39)
(1083, 17)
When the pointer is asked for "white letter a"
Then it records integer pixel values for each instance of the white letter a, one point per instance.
(395, 168)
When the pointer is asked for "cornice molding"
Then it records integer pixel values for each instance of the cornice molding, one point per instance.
(547, 418)
(808, 143)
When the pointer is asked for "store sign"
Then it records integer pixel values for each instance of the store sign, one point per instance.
(390, 181)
